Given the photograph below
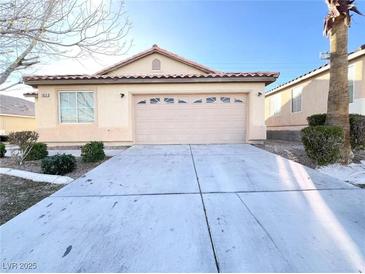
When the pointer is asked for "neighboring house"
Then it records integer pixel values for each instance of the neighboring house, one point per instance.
(288, 106)
(16, 114)
(155, 97)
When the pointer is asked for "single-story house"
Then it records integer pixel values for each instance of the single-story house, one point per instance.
(16, 114)
(288, 106)
(154, 97)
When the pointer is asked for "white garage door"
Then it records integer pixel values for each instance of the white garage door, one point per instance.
(190, 119)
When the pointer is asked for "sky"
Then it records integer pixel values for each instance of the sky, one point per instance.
(241, 35)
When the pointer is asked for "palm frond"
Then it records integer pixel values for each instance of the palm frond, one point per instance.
(338, 9)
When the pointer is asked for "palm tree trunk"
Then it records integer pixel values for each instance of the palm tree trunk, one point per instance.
(338, 96)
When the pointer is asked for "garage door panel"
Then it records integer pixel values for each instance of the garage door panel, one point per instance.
(163, 123)
(187, 127)
(178, 113)
(206, 132)
(183, 118)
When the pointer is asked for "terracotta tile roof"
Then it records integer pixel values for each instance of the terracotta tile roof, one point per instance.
(156, 49)
(15, 106)
(150, 76)
(206, 74)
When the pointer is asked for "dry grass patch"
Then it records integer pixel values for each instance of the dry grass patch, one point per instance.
(17, 194)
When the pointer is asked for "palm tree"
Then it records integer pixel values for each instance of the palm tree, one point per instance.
(336, 26)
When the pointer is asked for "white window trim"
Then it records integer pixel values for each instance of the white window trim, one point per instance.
(75, 123)
(301, 100)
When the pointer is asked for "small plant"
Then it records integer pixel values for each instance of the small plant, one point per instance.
(322, 143)
(38, 152)
(2, 150)
(93, 152)
(59, 164)
(25, 140)
(357, 127)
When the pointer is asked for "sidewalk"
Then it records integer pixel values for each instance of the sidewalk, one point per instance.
(36, 177)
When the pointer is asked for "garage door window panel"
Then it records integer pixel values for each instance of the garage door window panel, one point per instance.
(199, 101)
(155, 101)
(211, 100)
(169, 100)
(225, 100)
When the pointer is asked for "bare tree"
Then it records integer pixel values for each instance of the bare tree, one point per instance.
(336, 27)
(31, 30)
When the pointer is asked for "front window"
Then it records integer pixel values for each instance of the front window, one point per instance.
(275, 104)
(77, 107)
(296, 99)
(351, 77)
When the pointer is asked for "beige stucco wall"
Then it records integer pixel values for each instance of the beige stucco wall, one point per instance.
(314, 99)
(114, 122)
(9, 123)
(144, 66)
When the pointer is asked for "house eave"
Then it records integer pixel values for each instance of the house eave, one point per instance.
(35, 83)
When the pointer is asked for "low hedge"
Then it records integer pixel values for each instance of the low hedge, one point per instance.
(38, 152)
(357, 131)
(322, 143)
(357, 127)
(59, 164)
(92, 152)
(317, 119)
(2, 150)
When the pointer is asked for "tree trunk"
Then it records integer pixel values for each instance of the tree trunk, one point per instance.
(338, 96)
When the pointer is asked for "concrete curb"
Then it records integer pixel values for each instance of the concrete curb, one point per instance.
(36, 177)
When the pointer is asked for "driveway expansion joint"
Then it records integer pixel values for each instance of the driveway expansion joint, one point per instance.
(204, 193)
(263, 228)
(205, 213)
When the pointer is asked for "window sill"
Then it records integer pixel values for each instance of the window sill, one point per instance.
(68, 124)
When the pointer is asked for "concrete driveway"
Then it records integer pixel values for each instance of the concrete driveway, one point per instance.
(198, 208)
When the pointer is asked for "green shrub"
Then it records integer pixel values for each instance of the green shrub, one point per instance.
(93, 152)
(322, 143)
(38, 152)
(59, 164)
(357, 127)
(357, 131)
(317, 119)
(2, 150)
